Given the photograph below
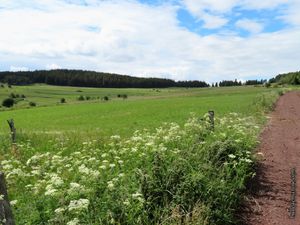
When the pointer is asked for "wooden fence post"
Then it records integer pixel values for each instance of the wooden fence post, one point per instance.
(6, 215)
(13, 136)
(211, 115)
(12, 130)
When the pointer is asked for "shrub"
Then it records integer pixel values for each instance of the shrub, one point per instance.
(12, 95)
(32, 104)
(8, 102)
(81, 98)
(88, 98)
(9, 86)
(124, 96)
(23, 96)
(105, 98)
(62, 100)
(267, 85)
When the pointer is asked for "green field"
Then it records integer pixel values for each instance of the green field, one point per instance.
(70, 166)
(144, 108)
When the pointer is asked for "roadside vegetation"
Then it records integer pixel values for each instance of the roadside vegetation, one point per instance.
(173, 168)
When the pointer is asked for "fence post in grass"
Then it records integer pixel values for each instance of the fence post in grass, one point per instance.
(211, 115)
(6, 215)
(13, 135)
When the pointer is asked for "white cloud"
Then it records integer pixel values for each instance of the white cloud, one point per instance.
(18, 68)
(262, 4)
(250, 25)
(142, 40)
(52, 66)
(197, 7)
(213, 22)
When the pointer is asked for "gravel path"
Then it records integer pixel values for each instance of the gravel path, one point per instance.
(269, 199)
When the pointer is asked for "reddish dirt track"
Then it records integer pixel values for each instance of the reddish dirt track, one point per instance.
(270, 193)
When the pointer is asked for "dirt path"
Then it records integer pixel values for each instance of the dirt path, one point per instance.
(270, 194)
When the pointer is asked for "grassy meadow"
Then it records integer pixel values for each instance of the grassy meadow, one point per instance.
(152, 158)
(144, 108)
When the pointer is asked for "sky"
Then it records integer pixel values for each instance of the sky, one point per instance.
(209, 40)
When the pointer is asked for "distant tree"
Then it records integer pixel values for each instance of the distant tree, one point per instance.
(8, 102)
(62, 100)
(105, 98)
(212, 85)
(124, 96)
(267, 85)
(32, 104)
(81, 98)
(12, 95)
(88, 98)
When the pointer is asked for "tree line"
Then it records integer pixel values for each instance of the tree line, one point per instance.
(228, 83)
(287, 78)
(82, 78)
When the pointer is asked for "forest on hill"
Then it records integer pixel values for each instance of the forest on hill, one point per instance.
(287, 78)
(82, 78)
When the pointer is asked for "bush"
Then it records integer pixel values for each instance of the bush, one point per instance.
(267, 85)
(105, 98)
(12, 95)
(8, 102)
(62, 100)
(32, 104)
(23, 96)
(88, 98)
(81, 98)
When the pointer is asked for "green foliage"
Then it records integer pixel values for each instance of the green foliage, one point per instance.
(81, 98)
(82, 78)
(176, 174)
(105, 98)
(287, 78)
(8, 102)
(32, 104)
(62, 100)
(12, 95)
(265, 102)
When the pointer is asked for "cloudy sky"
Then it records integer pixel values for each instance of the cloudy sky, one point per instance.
(206, 40)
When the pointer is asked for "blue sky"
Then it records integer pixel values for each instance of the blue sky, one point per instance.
(206, 40)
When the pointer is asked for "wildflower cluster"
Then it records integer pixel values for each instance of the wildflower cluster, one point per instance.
(151, 177)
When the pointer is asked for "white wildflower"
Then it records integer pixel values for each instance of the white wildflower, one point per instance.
(79, 205)
(59, 210)
(73, 222)
(232, 156)
(110, 185)
(13, 202)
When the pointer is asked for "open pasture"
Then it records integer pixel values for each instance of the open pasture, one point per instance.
(144, 108)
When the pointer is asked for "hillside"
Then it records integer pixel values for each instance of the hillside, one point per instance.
(287, 78)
